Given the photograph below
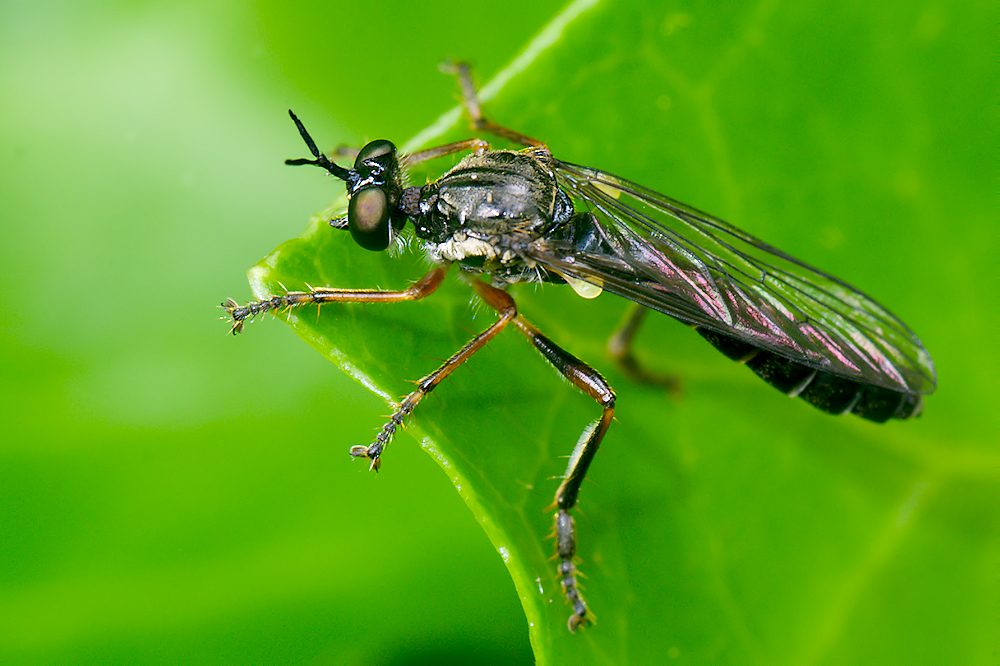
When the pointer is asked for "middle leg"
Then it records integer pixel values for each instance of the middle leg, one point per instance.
(497, 299)
(593, 384)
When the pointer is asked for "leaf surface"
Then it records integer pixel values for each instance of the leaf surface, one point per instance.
(729, 524)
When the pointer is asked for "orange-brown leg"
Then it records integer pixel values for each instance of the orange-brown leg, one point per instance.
(620, 348)
(499, 301)
(471, 102)
(593, 384)
(476, 145)
(239, 314)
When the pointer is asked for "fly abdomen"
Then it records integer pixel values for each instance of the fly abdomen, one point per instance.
(827, 391)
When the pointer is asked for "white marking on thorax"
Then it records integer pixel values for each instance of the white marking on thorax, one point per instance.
(461, 246)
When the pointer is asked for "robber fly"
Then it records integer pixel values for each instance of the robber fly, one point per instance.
(526, 216)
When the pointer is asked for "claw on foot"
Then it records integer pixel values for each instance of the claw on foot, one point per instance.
(367, 452)
(235, 314)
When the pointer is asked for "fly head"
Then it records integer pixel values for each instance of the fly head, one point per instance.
(374, 188)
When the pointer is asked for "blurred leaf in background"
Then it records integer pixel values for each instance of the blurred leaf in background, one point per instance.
(173, 494)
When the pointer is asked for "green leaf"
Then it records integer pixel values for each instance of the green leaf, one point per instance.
(729, 524)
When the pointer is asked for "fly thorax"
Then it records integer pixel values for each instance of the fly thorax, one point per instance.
(497, 193)
(488, 209)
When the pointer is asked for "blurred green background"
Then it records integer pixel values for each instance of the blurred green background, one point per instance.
(169, 493)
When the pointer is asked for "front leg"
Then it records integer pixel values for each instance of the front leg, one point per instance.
(239, 314)
(470, 100)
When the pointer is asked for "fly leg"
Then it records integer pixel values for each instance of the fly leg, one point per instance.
(478, 146)
(471, 102)
(620, 348)
(343, 150)
(239, 314)
(590, 382)
(495, 298)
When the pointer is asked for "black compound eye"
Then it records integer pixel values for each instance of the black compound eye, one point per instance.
(374, 150)
(368, 218)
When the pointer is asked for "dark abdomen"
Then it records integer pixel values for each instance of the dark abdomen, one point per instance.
(827, 391)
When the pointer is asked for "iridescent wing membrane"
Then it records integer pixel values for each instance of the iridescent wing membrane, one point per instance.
(695, 267)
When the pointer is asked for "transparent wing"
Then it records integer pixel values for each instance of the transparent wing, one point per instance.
(675, 259)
